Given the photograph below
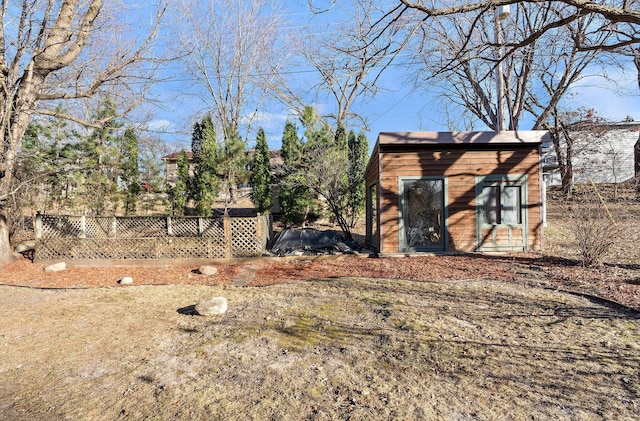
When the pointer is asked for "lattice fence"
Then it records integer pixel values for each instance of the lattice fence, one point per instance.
(152, 237)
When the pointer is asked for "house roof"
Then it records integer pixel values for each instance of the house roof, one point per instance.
(175, 155)
(464, 138)
(606, 125)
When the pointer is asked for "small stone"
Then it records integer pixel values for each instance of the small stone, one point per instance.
(212, 307)
(56, 267)
(127, 280)
(208, 270)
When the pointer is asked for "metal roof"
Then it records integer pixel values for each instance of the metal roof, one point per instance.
(462, 138)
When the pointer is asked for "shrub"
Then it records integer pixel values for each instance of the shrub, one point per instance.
(594, 228)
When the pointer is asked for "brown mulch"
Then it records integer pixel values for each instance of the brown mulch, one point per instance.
(617, 283)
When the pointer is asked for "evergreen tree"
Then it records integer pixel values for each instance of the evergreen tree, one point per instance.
(340, 139)
(331, 167)
(290, 147)
(64, 173)
(317, 133)
(49, 157)
(295, 199)
(261, 175)
(206, 181)
(179, 192)
(232, 163)
(33, 167)
(130, 176)
(196, 136)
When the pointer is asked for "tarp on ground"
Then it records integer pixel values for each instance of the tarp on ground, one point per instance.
(308, 241)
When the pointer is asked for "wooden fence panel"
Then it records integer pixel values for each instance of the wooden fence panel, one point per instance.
(154, 237)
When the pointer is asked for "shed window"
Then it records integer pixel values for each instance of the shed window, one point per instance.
(501, 204)
(511, 204)
(491, 204)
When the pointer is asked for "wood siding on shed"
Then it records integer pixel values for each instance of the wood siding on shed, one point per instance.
(460, 166)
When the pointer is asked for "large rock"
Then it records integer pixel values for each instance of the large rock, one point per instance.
(56, 267)
(212, 307)
(208, 270)
(127, 280)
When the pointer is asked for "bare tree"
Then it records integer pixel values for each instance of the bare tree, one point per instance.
(348, 62)
(620, 18)
(229, 47)
(51, 52)
(576, 136)
(535, 77)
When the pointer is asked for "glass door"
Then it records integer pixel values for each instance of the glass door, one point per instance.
(422, 214)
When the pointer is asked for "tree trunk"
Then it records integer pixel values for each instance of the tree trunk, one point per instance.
(564, 160)
(6, 254)
(567, 174)
(23, 102)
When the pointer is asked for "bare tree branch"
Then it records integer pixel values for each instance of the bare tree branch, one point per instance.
(229, 47)
(623, 13)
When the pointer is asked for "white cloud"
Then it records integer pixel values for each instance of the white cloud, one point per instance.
(159, 125)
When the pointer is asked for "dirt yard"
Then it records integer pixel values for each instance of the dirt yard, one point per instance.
(433, 337)
(332, 348)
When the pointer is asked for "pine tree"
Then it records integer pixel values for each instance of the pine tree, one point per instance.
(331, 167)
(49, 155)
(179, 192)
(196, 136)
(232, 163)
(289, 151)
(206, 181)
(130, 176)
(295, 199)
(261, 175)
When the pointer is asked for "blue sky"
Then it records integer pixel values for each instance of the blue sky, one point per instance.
(397, 106)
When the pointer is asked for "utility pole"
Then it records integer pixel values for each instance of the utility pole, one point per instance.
(501, 13)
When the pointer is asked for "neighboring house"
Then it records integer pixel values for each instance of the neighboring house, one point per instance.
(171, 167)
(455, 191)
(604, 155)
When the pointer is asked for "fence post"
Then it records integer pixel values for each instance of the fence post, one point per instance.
(83, 226)
(114, 227)
(226, 222)
(38, 226)
(169, 227)
(259, 246)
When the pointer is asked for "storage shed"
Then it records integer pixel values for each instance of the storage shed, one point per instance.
(455, 191)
